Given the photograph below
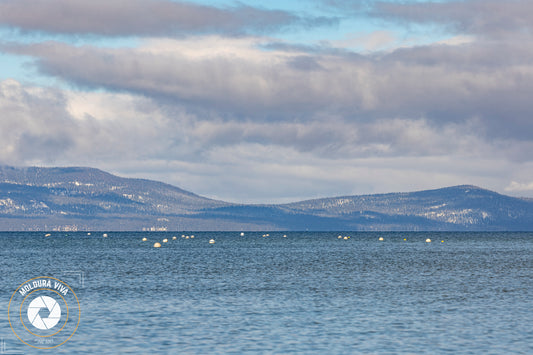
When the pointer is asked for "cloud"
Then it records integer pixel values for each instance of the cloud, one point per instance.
(50, 126)
(145, 18)
(28, 122)
(520, 187)
(485, 18)
(252, 161)
(238, 78)
(253, 118)
(231, 74)
(369, 42)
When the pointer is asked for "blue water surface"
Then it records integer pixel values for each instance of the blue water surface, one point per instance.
(306, 293)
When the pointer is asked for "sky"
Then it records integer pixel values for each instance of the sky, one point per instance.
(271, 102)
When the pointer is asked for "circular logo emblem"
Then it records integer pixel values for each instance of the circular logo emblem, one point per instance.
(44, 312)
(54, 312)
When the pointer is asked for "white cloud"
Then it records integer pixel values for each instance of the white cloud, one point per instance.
(457, 40)
(519, 187)
(368, 42)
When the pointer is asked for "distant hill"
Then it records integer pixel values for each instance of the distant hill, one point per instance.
(77, 198)
(452, 208)
(86, 198)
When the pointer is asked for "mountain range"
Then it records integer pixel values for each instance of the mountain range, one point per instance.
(78, 198)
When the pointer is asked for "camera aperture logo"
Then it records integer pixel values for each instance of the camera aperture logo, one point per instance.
(44, 312)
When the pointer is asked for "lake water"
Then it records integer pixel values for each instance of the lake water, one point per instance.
(307, 293)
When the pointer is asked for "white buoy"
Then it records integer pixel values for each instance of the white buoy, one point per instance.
(380, 239)
(165, 240)
(47, 234)
(88, 233)
(211, 241)
(145, 239)
(157, 245)
(345, 238)
(428, 240)
(242, 234)
(183, 235)
(339, 237)
(186, 237)
(192, 236)
(104, 235)
(284, 235)
(174, 238)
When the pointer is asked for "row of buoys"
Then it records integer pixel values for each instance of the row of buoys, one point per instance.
(212, 241)
(89, 233)
(105, 235)
(428, 240)
(158, 245)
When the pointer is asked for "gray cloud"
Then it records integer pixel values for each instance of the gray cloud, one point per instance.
(492, 18)
(235, 78)
(29, 123)
(37, 125)
(249, 118)
(252, 160)
(144, 18)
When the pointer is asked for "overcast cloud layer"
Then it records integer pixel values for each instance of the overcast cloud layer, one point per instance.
(216, 101)
(144, 17)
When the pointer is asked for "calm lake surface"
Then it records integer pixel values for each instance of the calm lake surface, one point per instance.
(306, 293)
